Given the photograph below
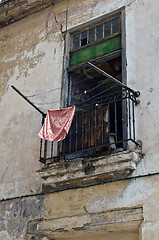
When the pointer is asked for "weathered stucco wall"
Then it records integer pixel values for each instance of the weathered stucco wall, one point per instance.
(15, 214)
(74, 209)
(105, 211)
(31, 57)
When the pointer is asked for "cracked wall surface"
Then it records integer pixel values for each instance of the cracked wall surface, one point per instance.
(31, 58)
(15, 214)
(30, 53)
(102, 211)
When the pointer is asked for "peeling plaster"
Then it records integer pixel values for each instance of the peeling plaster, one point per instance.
(25, 46)
(15, 214)
(21, 52)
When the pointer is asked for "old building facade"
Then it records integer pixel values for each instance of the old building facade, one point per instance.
(101, 182)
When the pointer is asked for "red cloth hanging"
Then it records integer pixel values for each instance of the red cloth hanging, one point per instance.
(57, 124)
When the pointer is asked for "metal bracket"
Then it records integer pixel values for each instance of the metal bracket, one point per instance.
(15, 89)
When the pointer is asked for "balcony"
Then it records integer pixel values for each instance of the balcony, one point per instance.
(96, 148)
(102, 127)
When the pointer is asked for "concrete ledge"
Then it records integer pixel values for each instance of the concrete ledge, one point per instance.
(14, 10)
(120, 220)
(88, 171)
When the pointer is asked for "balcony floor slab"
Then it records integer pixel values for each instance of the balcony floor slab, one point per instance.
(84, 172)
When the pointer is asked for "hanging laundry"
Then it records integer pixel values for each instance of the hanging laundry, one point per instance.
(57, 124)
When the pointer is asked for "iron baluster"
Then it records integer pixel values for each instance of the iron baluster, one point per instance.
(45, 150)
(52, 148)
(115, 122)
(41, 140)
(95, 125)
(108, 118)
(133, 110)
(102, 125)
(64, 145)
(76, 146)
(82, 130)
(89, 128)
(129, 119)
(70, 140)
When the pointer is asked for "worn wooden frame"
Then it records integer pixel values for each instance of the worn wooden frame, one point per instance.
(96, 41)
(65, 93)
(124, 74)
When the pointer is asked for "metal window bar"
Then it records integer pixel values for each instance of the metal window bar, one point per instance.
(76, 145)
(64, 145)
(102, 125)
(70, 140)
(133, 115)
(129, 118)
(95, 125)
(92, 127)
(116, 121)
(89, 133)
(82, 130)
(52, 149)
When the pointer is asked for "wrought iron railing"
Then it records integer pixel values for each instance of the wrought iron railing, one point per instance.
(103, 126)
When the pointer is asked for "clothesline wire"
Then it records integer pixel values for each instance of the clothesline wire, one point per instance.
(51, 90)
(96, 95)
(38, 103)
(39, 90)
(81, 102)
(54, 89)
(85, 73)
(85, 100)
(86, 79)
(46, 90)
(80, 76)
(89, 68)
(85, 92)
(39, 94)
(42, 91)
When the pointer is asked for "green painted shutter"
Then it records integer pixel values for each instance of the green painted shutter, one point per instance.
(96, 50)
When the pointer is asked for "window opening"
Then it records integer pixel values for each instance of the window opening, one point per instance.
(76, 41)
(91, 34)
(97, 33)
(87, 82)
(115, 25)
(90, 88)
(83, 38)
(107, 29)
(104, 120)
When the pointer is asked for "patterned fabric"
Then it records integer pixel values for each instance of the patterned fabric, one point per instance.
(57, 124)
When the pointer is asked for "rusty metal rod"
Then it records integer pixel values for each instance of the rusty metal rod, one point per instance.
(15, 89)
(113, 79)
